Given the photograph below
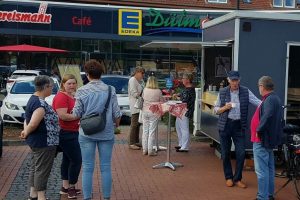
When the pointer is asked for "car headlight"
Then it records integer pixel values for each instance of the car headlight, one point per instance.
(11, 106)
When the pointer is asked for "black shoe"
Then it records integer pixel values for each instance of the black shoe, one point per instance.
(182, 150)
(177, 147)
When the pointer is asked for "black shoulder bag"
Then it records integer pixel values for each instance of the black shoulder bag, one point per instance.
(95, 123)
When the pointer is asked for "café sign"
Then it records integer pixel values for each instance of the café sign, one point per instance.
(41, 17)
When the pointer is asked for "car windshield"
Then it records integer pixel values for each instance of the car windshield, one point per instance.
(17, 75)
(120, 83)
(27, 87)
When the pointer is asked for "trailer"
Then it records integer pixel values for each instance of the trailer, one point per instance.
(257, 44)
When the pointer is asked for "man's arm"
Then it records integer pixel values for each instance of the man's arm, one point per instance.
(253, 99)
(133, 91)
(266, 116)
(218, 110)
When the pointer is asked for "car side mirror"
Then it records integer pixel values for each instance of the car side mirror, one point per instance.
(3, 92)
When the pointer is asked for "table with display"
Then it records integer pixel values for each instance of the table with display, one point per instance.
(177, 109)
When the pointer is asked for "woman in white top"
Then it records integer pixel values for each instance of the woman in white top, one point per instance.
(151, 94)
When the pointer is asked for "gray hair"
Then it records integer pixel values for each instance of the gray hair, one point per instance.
(42, 81)
(266, 82)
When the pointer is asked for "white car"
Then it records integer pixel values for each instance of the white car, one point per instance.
(120, 83)
(14, 104)
(21, 73)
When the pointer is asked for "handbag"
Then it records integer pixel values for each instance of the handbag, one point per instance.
(95, 123)
(139, 103)
(140, 120)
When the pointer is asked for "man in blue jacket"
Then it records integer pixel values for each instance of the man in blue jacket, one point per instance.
(266, 134)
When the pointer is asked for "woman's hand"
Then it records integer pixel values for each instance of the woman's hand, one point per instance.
(23, 135)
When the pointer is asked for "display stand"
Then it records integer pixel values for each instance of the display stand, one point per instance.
(168, 163)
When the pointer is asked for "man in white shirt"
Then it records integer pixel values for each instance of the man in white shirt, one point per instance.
(135, 89)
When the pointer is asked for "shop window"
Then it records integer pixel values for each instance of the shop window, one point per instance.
(217, 1)
(284, 3)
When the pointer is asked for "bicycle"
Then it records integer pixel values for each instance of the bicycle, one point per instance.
(291, 153)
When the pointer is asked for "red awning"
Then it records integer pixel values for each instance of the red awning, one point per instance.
(30, 48)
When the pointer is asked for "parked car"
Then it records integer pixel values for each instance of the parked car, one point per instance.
(21, 73)
(120, 83)
(14, 104)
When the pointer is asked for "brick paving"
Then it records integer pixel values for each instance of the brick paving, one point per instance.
(201, 178)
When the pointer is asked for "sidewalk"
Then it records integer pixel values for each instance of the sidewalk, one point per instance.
(201, 178)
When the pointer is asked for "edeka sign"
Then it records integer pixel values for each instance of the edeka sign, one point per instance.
(174, 22)
(130, 22)
(26, 17)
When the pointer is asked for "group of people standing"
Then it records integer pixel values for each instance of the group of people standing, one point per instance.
(151, 94)
(266, 131)
(47, 127)
(44, 134)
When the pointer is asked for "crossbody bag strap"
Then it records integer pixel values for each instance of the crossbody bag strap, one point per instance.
(107, 101)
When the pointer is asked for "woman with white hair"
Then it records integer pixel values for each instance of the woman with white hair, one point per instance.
(41, 131)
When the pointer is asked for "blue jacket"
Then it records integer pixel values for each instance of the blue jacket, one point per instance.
(271, 122)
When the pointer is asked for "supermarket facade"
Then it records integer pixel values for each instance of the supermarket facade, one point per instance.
(111, 34)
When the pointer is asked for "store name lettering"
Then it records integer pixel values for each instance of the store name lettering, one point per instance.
(27, 17)
(84, 21)
(172, 20)
(23, 17)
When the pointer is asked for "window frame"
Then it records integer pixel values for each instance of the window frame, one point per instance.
(283, 4)
(217, 1)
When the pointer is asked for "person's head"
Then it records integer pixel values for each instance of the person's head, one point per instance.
(187, 79)
(152, 83)
(265, 85)
(44, 84)
(139, 73)
(93, 69)
(233, 78)
(68, 83)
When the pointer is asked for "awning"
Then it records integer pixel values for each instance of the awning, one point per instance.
(30, 48)
(186, 45)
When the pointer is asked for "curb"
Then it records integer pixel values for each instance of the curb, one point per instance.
(13, 143)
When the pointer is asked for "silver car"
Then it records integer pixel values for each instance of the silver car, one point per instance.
(120, 83)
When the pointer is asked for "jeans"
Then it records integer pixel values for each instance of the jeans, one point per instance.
(71, 162)
(265, 171)
(88, 153)
(233, 131)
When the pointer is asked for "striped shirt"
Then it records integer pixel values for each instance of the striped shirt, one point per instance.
(91, 99)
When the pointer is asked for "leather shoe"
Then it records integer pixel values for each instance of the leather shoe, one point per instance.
(177, 147)
(229, 183)
(134, 147)
(240, 184)
(182, 150)
(138, 144)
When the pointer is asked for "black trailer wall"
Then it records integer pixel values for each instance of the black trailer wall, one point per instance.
(263, 50)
